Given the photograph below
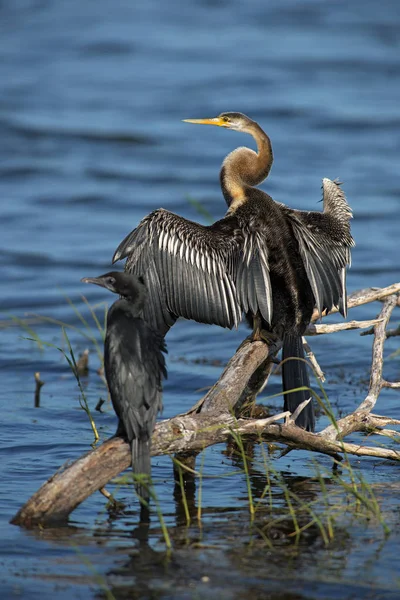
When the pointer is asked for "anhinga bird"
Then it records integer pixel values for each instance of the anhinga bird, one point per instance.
(263, 258)
(134, 366)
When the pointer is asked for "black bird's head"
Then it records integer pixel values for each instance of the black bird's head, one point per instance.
(229, 120)
(126, 285)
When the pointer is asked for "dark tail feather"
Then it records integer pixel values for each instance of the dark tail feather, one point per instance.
(294, 375)
(141, 464)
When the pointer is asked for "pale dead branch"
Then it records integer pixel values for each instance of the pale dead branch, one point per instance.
(354, 421)
(313, 361)
(391, 384)
(335, 327)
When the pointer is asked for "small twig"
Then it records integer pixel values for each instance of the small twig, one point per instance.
(38, 387)
(380, 421)
(82, 364)
(388, 433)
(292, 418)
(261, 424)
(395, 385)
(393, 332)
(369, 331)
(112, 503)
(312, 358)
(99, 405)
(389, 332)
(106, 494)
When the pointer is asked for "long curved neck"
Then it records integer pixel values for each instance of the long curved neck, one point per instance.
(245, 168)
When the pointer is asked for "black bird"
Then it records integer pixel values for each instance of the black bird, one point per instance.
(266, 259)
(134, 366)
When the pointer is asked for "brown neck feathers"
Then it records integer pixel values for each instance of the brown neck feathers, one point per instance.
(245, 168)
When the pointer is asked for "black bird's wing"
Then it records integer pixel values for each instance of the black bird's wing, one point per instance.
(134, 366)
(188, 269)
(252, 276)
(325, 241)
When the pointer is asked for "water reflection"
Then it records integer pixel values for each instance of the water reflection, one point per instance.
(226, 554)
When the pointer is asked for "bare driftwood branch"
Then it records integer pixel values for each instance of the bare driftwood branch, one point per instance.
(358, 418)
(365, 296)
(231, 388)
(335, 327)
(214, 420)
(63, 492)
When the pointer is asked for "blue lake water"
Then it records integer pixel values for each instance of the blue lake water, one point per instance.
(92, 97)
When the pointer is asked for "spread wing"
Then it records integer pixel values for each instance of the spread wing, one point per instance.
(134, 365)
(325, 241)
(252, 276)
(188, 269)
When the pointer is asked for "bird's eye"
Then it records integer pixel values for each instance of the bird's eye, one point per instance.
(111, 280)
(225, 119)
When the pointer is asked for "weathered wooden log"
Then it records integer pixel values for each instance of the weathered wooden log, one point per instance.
(63, 492)
(212, 420)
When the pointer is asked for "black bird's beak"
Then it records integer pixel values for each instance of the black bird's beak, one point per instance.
(97, 280)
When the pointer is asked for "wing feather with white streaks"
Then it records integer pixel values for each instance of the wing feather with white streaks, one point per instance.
(252, 277)
(325, 241)
(186, 268)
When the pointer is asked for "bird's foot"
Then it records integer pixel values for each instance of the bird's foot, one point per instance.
(262, 335)
(259, 335)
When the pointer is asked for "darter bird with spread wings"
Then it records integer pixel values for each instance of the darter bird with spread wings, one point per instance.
(264, 259)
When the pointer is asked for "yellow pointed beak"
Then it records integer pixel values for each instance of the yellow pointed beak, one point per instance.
(216, 121)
